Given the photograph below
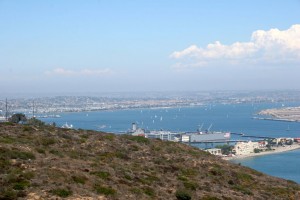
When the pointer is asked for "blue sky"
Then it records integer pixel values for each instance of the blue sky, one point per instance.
(115, 46)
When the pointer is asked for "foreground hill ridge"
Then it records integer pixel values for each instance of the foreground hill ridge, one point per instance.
(53, 163)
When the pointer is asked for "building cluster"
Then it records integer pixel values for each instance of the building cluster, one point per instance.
(249, 147)
(244, 148)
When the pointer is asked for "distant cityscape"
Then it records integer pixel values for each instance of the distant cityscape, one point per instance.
(116, 101)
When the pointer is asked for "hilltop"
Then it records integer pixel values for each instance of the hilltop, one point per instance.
(53, 163)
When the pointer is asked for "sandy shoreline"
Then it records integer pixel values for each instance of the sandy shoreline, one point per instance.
(277, 150)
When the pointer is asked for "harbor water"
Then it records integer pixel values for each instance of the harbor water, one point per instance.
(236, 118)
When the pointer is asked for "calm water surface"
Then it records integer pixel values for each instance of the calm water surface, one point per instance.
(234, 117)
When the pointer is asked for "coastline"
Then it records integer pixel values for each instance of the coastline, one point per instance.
(276, 150)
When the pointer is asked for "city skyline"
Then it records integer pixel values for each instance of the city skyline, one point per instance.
(117, 46)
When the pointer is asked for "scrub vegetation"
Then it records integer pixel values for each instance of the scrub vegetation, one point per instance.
(44, 162)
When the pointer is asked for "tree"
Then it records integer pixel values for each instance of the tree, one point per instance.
(226, 149)
(257, 150)
(17, 118)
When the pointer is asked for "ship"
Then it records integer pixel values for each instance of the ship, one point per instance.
(199, 137)
(205, 136)
(153, 134)
(185, 137)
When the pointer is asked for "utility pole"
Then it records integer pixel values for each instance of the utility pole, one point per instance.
(6, 111)
(33, 109)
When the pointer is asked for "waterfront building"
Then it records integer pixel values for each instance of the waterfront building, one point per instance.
(215, 151)
(243, 148)
(283, 141)
(185, 138)
(163, 135)
(136, 131)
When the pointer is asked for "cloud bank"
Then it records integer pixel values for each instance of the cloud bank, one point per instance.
(83, 72)
(265, 47)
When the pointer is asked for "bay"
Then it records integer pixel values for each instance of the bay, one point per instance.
(237, 118)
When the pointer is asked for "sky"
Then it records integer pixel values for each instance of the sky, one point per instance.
(94, 46)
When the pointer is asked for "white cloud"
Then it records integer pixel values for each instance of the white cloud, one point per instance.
(83, 72)
(265, 47)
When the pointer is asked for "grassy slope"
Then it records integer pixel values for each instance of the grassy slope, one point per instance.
(49, 162)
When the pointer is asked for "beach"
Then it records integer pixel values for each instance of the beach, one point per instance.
(279, 149)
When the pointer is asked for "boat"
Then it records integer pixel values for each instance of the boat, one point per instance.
(186, 137)
(199, 137)
(68, 126)
(205, 136)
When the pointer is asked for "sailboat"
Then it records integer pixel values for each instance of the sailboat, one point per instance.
(68, 126)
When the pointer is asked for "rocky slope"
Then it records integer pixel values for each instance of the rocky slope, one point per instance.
(53, 163)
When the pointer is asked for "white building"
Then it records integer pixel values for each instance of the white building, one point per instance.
(185, 138)
(163, 135)
(243, 148)
(215, 151)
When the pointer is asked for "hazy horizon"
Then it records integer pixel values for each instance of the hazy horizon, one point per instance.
(144, 94)
(66, 47)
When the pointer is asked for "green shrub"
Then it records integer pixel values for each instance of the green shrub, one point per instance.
(139, 139)
(85, 136)
(189, 172)
(127, 176)
(79, 179)
(257, 150)
(47, 141)
(21, 185)
(56, 152)
(28, 175)
(27, 128)
(109, 137)
(136, 190)
(35, 122)
(62, 192)
(101, 174)
(15, 154)
(133, 148)
(190, 185)
(66, 136)
(183, 195)
(230, 182)
(4, 163)
(104, 190)
(244, 177)
(209, 198)
(182, 178)
(7, 140)
(9, 123)
(216, 171)
(194, 153)
(122, 155)
(243, 190)
(8, 194)
(40, 150)
(149, 191)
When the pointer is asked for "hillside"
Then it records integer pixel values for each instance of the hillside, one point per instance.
(54, 163)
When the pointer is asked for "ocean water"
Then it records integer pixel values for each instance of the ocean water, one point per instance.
(237, 118)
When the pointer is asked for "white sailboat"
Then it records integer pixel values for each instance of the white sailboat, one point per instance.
(66, 125)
